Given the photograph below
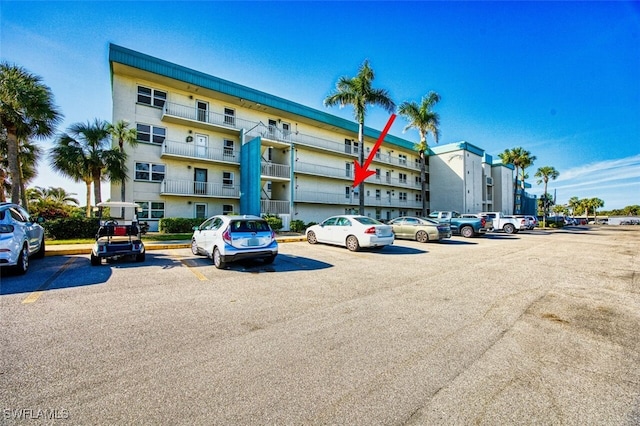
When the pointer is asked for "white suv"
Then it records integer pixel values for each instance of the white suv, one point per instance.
(229, 238)
(20, 237)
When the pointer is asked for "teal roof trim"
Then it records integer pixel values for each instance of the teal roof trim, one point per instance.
(457, 146)
(164, 68)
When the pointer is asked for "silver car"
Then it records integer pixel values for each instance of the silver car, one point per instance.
(20, 237)
(227, 239)
(420, 229)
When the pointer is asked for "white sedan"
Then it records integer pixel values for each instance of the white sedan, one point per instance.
(352, 232)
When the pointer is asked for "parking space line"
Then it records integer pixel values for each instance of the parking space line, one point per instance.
(189, 267)
(35, 295)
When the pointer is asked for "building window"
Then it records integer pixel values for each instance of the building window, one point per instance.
(228, 148)
(229, 117)
(227, 178)
(149, 172)
(377, 194)
(227, 209)
(148, 133)
(151, 210)
(286, 130)
(356, 147)
(402, 177)
(201, 211)
(347, 192)
(402, 196)
(402, 158)
(378, 214)
(378, 174)
(151, 97)
(418, 197)
(347, 146)
(348, 169)
(418, 181)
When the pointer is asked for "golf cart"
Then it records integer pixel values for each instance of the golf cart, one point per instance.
(118, 236)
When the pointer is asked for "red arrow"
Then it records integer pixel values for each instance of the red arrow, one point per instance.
(361, 172)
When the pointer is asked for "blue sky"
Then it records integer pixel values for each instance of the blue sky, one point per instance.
(560, 79)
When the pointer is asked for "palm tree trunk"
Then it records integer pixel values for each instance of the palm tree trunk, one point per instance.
(97, 187)
(545, 205)
(361, 152)
(88, 195)
(423, 179)
(14, 166)
(3, 197)
(515, 191)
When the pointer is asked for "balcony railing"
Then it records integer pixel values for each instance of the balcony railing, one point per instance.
(190, 112)
(199, 189)
(274, 207)
(270, 169)
(191, 150)
(270, 132)
(352, 199)
(319, 170)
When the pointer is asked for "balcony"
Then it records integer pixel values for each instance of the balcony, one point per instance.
(324, 198)
(274, 207)
(192, 151)
(192, 116)
(270, 133)
(274, 171)
(199, 189)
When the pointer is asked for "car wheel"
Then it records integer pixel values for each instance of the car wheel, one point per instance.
(509, 228)
(311, 237)
(217, 259)
(194, 247)
(95, 260)
(422, 237)
(23, 260)
(466, 231)
(352, 243)
(140, 257)
(269, 260)
(40, 253)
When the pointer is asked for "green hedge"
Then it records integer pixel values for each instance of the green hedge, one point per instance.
(274, 222)
(178, 225)
(71, 228)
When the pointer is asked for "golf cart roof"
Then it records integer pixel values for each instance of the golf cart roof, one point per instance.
(117, 204)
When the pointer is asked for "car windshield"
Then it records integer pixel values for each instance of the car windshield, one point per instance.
(249, 226)
(367, 220)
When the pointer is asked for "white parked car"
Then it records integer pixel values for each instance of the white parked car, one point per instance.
(352, 232)
(230, 238)
(20, 237)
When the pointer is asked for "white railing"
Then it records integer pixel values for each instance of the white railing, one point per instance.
(200, 189)
(191, 150)
(270, 132)
(274, 207)
(324, 197)
(190, 112)
(275, 170)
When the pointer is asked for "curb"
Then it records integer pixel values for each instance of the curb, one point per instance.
(86, 249)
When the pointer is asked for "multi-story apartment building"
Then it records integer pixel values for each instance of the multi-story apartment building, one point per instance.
(210, 146)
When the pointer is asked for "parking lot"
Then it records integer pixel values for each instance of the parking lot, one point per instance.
(540, 327)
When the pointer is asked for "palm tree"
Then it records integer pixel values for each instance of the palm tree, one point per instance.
(83, 154)
(543, 174)
(594, 204)
(26, 110)
(28, 156)
(573, 204)
(123, 134)
(520, 159)
(422, 118)
(357, 92)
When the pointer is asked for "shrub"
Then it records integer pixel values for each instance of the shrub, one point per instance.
(274, 222)
(71, 228)
(297, 226)
(178, 225)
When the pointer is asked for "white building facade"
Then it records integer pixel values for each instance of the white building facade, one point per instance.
(210, 146)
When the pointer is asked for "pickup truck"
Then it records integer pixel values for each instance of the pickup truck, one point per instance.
(465, 226)
(508, 224)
